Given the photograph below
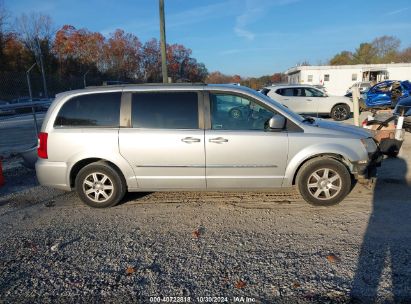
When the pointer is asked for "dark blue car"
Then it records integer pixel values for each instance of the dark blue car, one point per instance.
(387, 93)
(403, 108)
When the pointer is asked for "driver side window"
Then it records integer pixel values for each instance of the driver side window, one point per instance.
(233, 112)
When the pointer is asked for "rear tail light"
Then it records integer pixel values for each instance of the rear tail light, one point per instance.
(42, 147)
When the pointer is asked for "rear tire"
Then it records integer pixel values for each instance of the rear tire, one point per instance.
(99, 185)
(340, 112)
(324, 181)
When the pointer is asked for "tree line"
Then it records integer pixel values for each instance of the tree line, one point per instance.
(72, 52)
(384, 49)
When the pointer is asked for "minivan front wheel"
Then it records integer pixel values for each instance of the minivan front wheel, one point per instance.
(99, 185)
(340, 112)
(324, 181)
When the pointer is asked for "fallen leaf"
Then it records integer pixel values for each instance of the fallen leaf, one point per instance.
(296, 285)
(332, 258)
(196, 233)
(130, 270)
(240, 284)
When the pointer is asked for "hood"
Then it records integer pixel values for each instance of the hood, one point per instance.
(326, 127)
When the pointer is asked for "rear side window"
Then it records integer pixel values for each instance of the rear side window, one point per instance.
(165, 110)
(285, 92)
(92, 110)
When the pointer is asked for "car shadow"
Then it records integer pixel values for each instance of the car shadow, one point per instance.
(386, 247)
(133, 196)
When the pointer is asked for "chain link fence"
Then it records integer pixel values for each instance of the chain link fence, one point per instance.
(20, 116)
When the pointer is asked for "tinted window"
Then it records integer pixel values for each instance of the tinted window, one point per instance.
(92, 110)
(285, 92)
(313, 93)
(232, 112)
(167, 110)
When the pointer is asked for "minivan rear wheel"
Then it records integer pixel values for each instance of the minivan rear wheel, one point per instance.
(99, 185)
(340, 112)
(323, 181)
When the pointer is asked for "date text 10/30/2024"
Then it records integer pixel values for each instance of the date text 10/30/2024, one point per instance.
(182, 299)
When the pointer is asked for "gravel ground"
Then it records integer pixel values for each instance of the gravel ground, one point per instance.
(207, 247)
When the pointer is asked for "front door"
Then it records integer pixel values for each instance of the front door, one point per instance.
(241, 152)
(165, 142)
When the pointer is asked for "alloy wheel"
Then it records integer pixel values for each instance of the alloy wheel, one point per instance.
(324, 184)
(98, 187)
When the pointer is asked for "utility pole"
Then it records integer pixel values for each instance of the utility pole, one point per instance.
(33, 111)
(84, 78)
(163, 42)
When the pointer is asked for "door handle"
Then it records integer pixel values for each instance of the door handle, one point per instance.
(189, 140)
(286, 99)
(218, 140)
(309, 100)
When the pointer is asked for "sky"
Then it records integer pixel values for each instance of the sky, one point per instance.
(245, 37)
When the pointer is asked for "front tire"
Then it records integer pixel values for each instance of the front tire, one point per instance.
(324, 181)
(99, 185)
(340, 112)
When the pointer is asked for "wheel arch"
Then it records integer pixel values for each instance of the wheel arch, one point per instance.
(335, 156)
(342, 103)
(75, 169)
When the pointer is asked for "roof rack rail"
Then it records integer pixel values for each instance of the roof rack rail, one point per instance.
(148, 84)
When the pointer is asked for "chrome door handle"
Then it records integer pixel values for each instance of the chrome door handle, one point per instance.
(218, 140)
(190, 140)
(286, 99)
(309, 100)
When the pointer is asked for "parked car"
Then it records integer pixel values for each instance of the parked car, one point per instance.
(25, 104)
(362, 85)
(306, 99)
(386, 94)
(403, 107)
(5, 108)
(105, 141)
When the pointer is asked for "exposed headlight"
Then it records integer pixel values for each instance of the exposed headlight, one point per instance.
(369, 144)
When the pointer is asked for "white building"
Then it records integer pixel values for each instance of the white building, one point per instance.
(338, 78)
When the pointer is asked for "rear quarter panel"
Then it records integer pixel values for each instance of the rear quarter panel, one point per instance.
(71, 145)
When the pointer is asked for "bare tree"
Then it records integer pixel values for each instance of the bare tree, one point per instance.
(386, 45)
(4, 15)
(36, 29)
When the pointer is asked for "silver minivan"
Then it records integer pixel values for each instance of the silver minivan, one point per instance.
(105, 141)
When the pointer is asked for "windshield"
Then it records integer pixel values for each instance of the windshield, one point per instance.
(280, 106)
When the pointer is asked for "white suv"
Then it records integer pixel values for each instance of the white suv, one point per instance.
(306, 99)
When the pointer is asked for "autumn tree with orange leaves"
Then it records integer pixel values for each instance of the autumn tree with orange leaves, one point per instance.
(77, 49)
(122, 56)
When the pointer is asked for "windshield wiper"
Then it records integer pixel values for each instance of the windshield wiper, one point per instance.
(308, 119)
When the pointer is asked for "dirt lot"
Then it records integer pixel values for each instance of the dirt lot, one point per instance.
(207, 247)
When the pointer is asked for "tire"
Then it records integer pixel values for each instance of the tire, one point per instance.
(340, 112)
(324, 181)
(105, 185)
(236, 114)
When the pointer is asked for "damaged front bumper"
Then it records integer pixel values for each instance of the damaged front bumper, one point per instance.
(366, 171)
